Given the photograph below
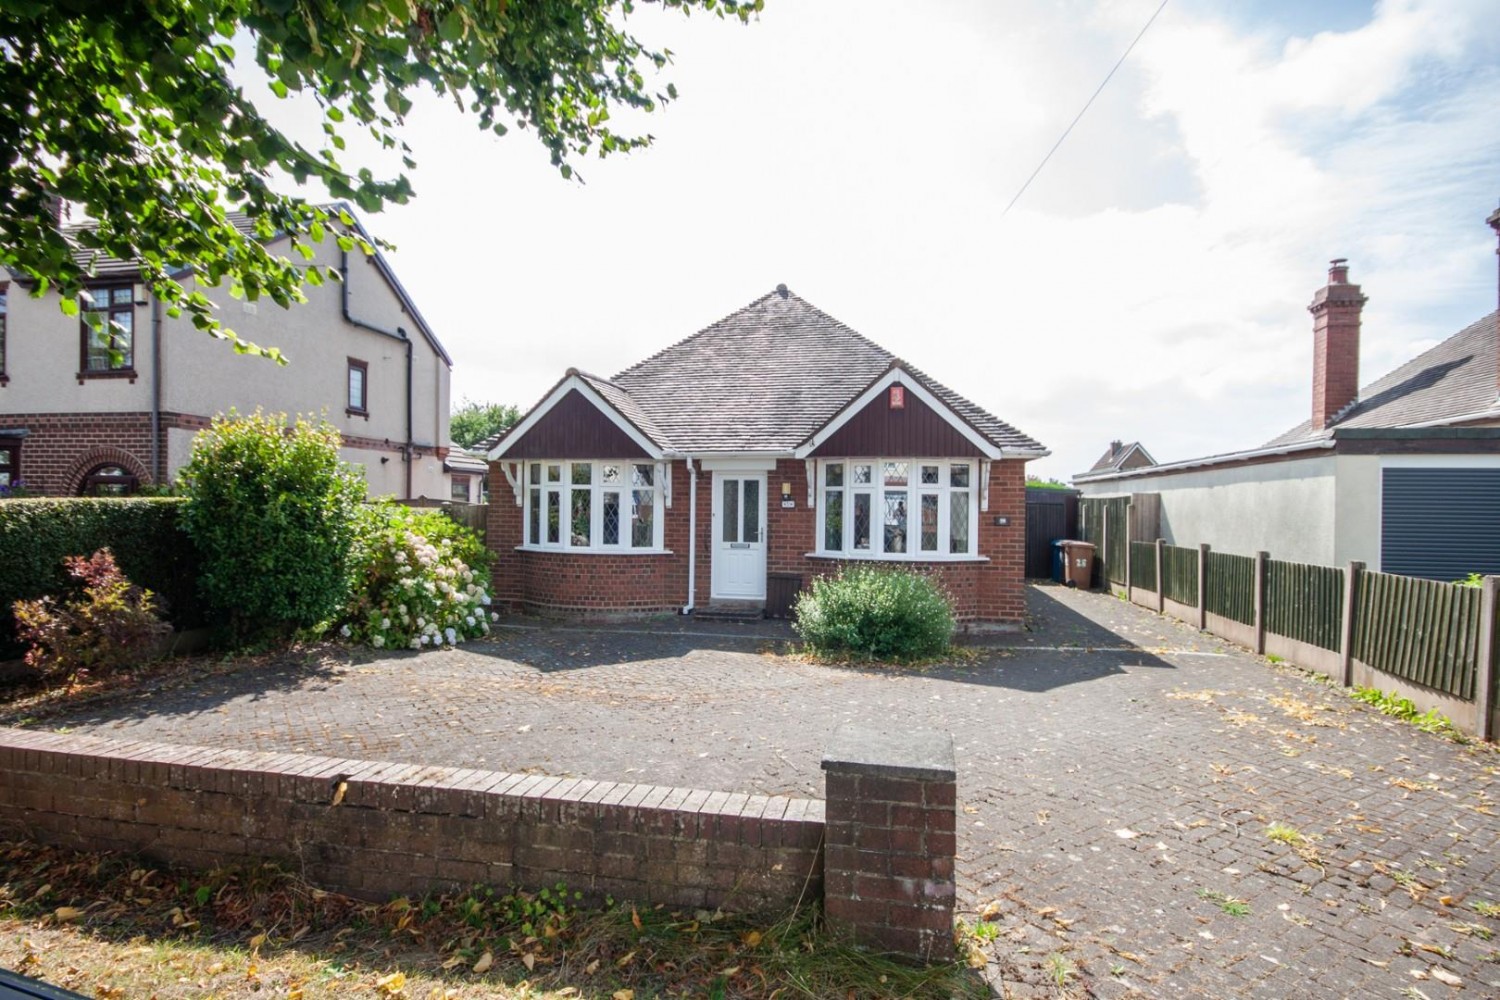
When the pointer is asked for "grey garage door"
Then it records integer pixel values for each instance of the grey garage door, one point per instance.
(1442, 524)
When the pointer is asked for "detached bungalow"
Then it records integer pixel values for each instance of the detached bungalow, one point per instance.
(777, 444)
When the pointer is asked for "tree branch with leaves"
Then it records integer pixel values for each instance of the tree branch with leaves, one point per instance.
(130, 111)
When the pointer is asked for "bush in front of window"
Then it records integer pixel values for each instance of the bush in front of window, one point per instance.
(875, 613)
(271, 510)
(419, 580)
(145, 535)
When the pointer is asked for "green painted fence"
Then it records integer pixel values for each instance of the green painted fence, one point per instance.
(1422, 631)
(1305, 602)
(1143, 566)
(1180, 567)
(1230, 589)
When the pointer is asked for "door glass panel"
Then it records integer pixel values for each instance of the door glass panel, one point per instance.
(958, 523)
(730, 490)
(610, 518)
(895, 521)
(833, 521)
(862, 520)
(929, 522)
(751, 511)
(642, 519)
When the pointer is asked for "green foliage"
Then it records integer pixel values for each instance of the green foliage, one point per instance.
(1392, 704)
(1472, 580)
(875, 612)
(272, 512)
(130, 110)
(1046, 484)
(145, 536)
(108, 624)
(472, 422)
(418, 578)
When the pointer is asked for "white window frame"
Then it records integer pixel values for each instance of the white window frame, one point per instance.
(915, 489)
(596, 488)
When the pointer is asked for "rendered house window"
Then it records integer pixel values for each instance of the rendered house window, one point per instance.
(359, 386)
(459, 489)
(10, 464)
(108, 330)
(606, 506)
(897, 509)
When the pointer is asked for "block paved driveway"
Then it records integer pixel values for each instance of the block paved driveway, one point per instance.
(1117, 775)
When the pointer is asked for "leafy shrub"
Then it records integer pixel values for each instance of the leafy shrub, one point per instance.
(271, 510)
(1472, 580)
(876, 613)
(110, 623)
(145, 535)
(419, 579)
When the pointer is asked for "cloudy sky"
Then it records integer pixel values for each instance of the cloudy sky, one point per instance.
(1150, 285)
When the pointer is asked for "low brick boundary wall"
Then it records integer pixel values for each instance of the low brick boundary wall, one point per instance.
(892, 818)
(407, 829)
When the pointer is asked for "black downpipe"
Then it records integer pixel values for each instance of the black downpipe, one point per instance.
(397, 334)
(157, 469)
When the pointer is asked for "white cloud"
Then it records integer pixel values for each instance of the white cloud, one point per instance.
(1150, 285)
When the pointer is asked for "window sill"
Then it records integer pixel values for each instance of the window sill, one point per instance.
(593, 552)
(129, 373)
(350, 411)
(934, 557)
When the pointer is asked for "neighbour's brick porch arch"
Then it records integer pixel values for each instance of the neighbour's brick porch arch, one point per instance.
(95, 457)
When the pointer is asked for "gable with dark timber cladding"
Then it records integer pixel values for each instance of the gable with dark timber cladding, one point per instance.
(574, 428)
(916, 429)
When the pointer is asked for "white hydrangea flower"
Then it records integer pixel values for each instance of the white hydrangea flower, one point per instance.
(385, 623)
(494, 615)
(426, 639)
(378, 641)
(451, 634)
(346, 632)
(416, 643)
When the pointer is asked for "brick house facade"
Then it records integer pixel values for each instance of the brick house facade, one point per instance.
(775, 445)
(77, 416)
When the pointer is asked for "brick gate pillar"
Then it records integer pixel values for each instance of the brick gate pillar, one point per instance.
(890, 842)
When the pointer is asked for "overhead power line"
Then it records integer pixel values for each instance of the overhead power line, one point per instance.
(1086, 106)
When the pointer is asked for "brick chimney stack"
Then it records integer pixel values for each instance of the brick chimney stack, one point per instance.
(1335, 308)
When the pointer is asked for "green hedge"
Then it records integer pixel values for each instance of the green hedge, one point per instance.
(144, 533)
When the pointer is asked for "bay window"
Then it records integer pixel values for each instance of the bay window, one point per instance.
(596, 506)
(897, 508)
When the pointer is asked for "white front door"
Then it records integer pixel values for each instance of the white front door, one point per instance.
(739, 536)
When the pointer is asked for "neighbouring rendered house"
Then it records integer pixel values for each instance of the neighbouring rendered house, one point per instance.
(1402, 474)
(772, 447)
(110, 408)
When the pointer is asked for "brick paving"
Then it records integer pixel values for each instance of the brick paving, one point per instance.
(1117, 775)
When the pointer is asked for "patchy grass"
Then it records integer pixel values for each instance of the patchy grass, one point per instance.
(114, 926)
(1397, 707)
(1229, 904)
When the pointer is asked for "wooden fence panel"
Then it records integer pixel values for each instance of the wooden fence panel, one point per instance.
(1231, 587)
(1305, 602)
(1094, 515)
(1423, 631)
(1143, 566)
(1180, 567)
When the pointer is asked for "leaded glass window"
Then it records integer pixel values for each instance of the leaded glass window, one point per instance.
(916, 508)
(582, 506)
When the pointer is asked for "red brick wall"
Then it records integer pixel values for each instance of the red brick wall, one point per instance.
(62, 448)
(403, 829)
(561, 581)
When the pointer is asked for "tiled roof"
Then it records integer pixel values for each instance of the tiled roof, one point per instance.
(1113, 458)
(764, 379)
(1455, 379)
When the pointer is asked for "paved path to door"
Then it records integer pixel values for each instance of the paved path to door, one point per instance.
(1117, 776)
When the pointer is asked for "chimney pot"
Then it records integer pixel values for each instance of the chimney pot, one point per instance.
(1338, 271)
(1114, 448)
